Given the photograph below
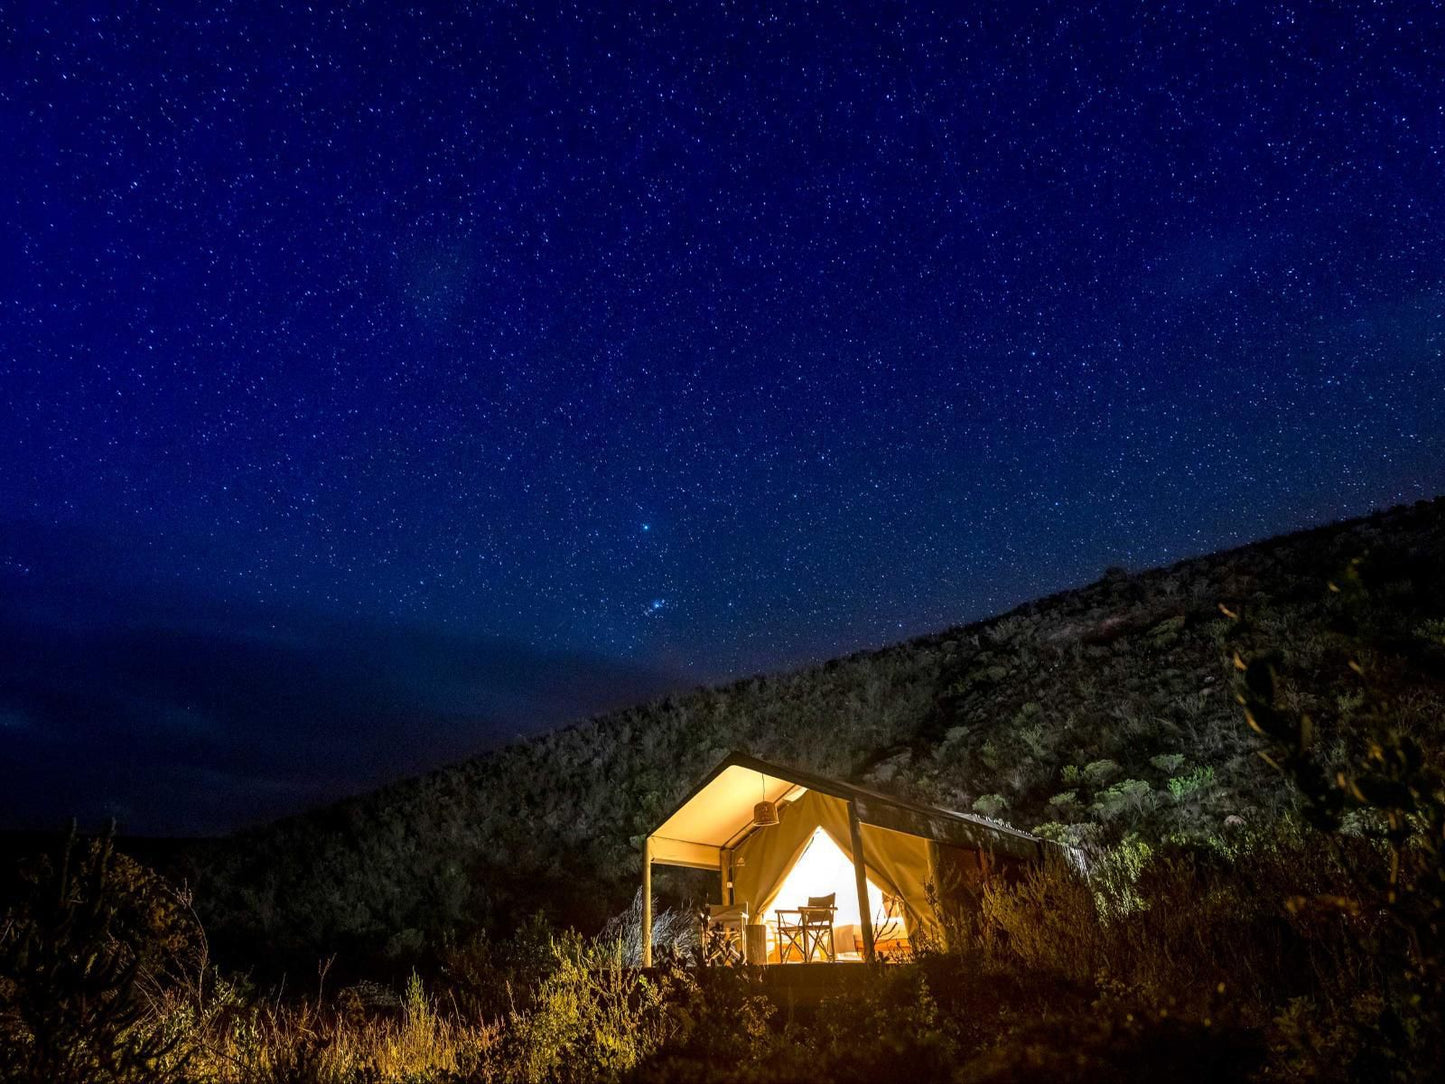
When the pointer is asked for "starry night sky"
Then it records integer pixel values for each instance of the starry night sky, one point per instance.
(379, 381)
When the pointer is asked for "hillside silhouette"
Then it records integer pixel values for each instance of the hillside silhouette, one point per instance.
(1088, 716)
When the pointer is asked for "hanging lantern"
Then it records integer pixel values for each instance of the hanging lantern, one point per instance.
(765, 814)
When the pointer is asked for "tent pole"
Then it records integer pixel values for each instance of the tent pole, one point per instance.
(860, 876)
(935, 877)
(647, 902)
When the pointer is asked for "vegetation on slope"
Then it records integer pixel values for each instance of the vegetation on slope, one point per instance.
(1265, 901)
(1297, 954)
(1096, 715)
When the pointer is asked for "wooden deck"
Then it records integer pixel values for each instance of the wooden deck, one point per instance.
(802, 987)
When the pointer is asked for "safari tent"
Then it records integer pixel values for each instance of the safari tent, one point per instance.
(797, 852)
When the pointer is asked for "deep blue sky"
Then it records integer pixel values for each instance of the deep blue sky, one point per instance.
(377, 380)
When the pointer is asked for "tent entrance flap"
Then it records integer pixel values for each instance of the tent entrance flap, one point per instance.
(897, 863)
(824, 868)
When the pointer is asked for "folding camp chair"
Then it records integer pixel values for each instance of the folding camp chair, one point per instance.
(722, 934)
(808, 931)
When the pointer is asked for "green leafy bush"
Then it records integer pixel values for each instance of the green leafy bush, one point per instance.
(1168, 763)
(990, 805)
(1131, 798)
(1097, 773)
(1182, 787)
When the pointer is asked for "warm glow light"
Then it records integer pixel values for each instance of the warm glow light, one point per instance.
(823, 868)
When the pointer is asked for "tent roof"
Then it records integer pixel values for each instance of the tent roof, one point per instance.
(718, 813)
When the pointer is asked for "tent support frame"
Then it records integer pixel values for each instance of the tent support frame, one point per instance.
(647, 902)
(860, 878)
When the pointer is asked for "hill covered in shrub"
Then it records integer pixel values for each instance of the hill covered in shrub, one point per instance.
(1095, 716)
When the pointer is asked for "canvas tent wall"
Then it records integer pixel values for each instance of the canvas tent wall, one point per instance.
(904, 845)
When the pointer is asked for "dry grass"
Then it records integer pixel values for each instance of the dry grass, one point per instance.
(232, 1038)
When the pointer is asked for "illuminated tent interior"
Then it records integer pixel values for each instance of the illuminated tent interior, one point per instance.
(777, 836)
(823, 869)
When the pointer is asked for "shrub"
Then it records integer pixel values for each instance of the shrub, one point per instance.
(1400, 791)
(1196, 782)
(1130, 797)
(590, 1018)
(673, 931)
(81, 956)
(1099, 772)
(1168, 763)
(990, 805)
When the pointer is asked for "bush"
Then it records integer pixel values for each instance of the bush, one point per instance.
(591, 1017)
(1097, 773)
(1199, 780)
(83, 953)
(990, 805)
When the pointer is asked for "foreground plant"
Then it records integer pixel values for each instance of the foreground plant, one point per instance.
(76, 955)
(1387, 789)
